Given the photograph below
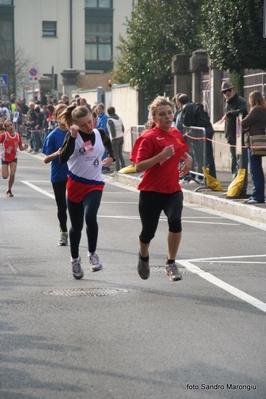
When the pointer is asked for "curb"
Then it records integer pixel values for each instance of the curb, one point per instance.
(231, 206)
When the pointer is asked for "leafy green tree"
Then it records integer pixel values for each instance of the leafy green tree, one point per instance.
(232, 34)
(157, 30)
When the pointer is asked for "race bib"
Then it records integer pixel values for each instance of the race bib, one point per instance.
(88, 146)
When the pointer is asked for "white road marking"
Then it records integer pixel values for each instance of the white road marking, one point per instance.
(163, 218)
(221, 284)
(239, 219)
(232, 262)
(216, 223)
(226, 257)
(38, 189)
(39, 181)
(190, 266)
(209, 277)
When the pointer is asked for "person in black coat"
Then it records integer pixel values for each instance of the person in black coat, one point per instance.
(234, 106)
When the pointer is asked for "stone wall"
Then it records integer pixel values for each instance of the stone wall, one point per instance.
(91, 81)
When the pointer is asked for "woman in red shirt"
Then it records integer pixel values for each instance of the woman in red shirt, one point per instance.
(11, 141)
(158, 153)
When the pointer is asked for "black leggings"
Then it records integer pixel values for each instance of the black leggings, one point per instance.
(151, 204)
(88, 207)
(60, 198)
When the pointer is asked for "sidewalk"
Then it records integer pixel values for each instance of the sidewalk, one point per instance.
(205, 197)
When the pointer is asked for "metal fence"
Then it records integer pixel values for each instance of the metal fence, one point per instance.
(135, 132)
(196, 139)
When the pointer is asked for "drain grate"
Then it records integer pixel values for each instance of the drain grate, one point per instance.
(74, 292)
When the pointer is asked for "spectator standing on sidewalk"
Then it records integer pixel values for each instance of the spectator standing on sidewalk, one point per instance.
(255, 122)
(94, 115)
(102, 124)
(82, 150)
(65, 99)
(42, 98)
(13, 106)
(11, 141)
(234, 106)
(37, 143)
(181, 100)
(193, 114)
(4, 111)
(83, 101)
(49, 118)
(116, 132)
(176, 109)
(58, 172)
(157, 153)
(203, 120)
(31, 121)
(23, 106)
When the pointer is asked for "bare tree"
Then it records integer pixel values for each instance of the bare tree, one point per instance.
(16, 65)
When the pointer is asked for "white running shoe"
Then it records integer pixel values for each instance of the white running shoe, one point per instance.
(77, 269)
(95, 262)
(63, 241)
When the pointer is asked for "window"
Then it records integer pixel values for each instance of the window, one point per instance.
(98, 3)
(49, 28)
(99, 35)
(98, 46)
(6, 2)
(6, 39)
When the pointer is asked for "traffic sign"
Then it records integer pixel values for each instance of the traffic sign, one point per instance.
(33, 75)
(3, 81)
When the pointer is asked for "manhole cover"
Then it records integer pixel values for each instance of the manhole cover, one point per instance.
(161, 269)
(86, 292)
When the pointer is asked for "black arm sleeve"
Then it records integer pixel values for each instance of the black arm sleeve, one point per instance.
(107, 144)
(67, 148)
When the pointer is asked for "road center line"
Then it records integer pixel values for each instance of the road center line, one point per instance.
(221, 284)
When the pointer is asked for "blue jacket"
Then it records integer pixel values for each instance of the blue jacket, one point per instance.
(102, 123)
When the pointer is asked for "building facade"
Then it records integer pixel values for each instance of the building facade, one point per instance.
(57, 35)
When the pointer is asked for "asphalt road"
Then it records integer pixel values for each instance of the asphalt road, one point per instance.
(112, 335)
